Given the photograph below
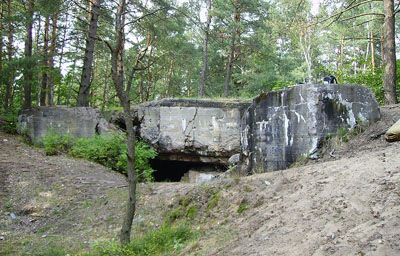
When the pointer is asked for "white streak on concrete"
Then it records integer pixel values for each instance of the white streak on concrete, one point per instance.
(263, 125)
(314, 144)
(183, 124)
(351, 120)
(299, 117)
(286, 128)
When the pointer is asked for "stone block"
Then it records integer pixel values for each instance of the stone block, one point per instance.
(78, 121)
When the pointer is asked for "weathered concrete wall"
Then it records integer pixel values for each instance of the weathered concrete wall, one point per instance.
(192, 130)
(78, 121)
(274, 131)
(283, 126)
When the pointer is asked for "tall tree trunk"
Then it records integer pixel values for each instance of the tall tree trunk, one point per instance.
(84, 88)
(237, 19)
(367, 52)
(236, 32)
(1, 41)
(105, 92)
(52, 52)
(27, 71)
(141, 87)
(69, 94)
(37, 53)
(45, 63)
(341, 53)
(64, 38)
(229, 65)
(373, 52)
(354, 58)
(92, 95)
(305, 44)
(170, 73)
(117, 70)
(389, 81)
(149, 80)
(10, 53)
(62, 50)
(205, 45)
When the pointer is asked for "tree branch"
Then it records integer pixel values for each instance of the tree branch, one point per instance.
(368, 21)
(363, 14)
(144, 16)
(348, 8)
(80, 6)
(139, 58)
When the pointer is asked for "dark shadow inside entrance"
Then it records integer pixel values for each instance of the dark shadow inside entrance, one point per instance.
(173, 171)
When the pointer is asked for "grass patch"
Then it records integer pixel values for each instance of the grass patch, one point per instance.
(191, 211)
(176, 214)
(184, 201)
(213, 201)
(8, 204)
(248, 188)
(30, 245)
(242, 208)
(168, 240)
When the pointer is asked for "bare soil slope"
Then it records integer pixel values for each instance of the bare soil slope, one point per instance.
(347, 205)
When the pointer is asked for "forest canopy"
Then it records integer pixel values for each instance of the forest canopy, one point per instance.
(55, 52)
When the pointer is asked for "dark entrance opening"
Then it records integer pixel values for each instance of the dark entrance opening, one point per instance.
(173, 171)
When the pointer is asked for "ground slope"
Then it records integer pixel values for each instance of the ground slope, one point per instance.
(347, 205)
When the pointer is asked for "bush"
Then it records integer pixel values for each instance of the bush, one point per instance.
(105, 150)
(111, 151)
(143, 153)
(55, 143)
(373, 80)
(8, 123)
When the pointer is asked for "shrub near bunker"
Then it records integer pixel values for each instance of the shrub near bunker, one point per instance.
(107, 150)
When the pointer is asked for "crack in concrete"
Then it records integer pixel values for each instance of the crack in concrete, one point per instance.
(187, 135)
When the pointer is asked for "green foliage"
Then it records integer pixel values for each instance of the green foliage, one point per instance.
(184, 201)
(107, 150)
(191, 211)
(8, 122)
(111, 151)
(176, 214)
(213, 201)
(242, 208)
(168, 240)
(51, 250)
(8, 205)
(55, 143)
(343, 135)
(143, 153)
(373, 80)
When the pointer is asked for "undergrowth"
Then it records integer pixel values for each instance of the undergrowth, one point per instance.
(168, 240)
(54, 143)
(8, 122)
(107, 150)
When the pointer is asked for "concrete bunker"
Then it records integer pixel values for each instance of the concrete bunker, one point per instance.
(195, 138)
